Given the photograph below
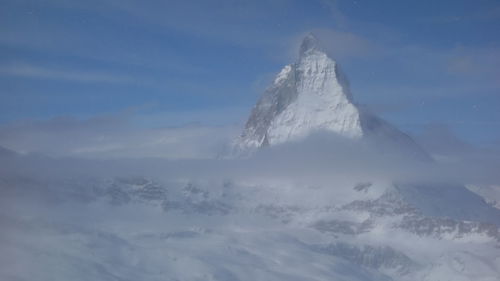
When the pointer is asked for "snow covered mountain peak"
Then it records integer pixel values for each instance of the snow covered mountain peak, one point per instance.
(309, 44)
(305, 97)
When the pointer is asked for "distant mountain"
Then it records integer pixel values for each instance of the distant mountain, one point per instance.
(313, 95)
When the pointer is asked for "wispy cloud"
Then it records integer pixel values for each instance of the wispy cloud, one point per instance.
(319, 159)
(42, 72)
(339, 44)
(476, 61)
(113, 136)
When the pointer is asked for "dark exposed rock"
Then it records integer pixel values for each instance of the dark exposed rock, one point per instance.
(390, 203)
(283, 213)
(362, 186)
(343, 227)
(439, 227)
(370, 256)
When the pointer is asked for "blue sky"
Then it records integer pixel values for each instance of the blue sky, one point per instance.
(171, 63)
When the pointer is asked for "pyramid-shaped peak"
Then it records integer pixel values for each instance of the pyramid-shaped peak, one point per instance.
(309, 96)
(309, 43)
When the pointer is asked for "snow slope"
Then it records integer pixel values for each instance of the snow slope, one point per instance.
(140, 229)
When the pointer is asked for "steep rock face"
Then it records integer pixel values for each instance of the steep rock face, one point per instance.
(308, 96)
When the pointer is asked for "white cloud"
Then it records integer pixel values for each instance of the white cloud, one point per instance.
(113, 137)
(339, 44)
(42, 72)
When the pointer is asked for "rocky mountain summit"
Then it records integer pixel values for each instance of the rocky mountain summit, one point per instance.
(310, 96)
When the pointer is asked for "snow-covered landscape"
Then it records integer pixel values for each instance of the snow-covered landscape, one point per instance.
(315, 187)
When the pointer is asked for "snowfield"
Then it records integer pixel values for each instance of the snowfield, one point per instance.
(138, 229)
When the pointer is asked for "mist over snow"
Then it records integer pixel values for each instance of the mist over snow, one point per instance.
(314, 188)
(324, 201)
(249, 140)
